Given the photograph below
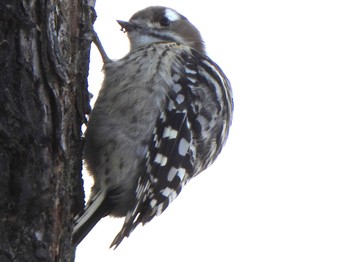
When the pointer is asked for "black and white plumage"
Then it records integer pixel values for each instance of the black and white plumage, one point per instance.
(162, 116)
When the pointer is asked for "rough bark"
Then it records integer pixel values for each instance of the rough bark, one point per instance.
(43, 102)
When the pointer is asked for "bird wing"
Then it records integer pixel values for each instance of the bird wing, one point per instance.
(170, 162)
(194, 125)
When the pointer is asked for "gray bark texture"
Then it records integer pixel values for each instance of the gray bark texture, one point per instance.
(43, 103)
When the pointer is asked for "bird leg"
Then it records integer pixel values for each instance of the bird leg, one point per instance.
(92, 35)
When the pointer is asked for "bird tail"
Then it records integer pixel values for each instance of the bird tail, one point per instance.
(135, 214)
(93, 212)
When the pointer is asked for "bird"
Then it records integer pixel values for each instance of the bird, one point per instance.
(162, 116)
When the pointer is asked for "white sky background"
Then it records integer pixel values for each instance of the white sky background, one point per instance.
(280, 190)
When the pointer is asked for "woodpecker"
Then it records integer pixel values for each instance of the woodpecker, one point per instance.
(161, 117)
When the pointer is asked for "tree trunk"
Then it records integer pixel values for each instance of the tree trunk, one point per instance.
(43, 102)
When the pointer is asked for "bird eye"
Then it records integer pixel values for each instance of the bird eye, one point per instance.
(164, 21)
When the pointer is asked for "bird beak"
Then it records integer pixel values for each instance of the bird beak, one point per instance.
(126, 26)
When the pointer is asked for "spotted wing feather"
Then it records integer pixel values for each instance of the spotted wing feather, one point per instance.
(185, 131)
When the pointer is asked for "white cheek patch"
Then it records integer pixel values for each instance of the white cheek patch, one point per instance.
(172, 15)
